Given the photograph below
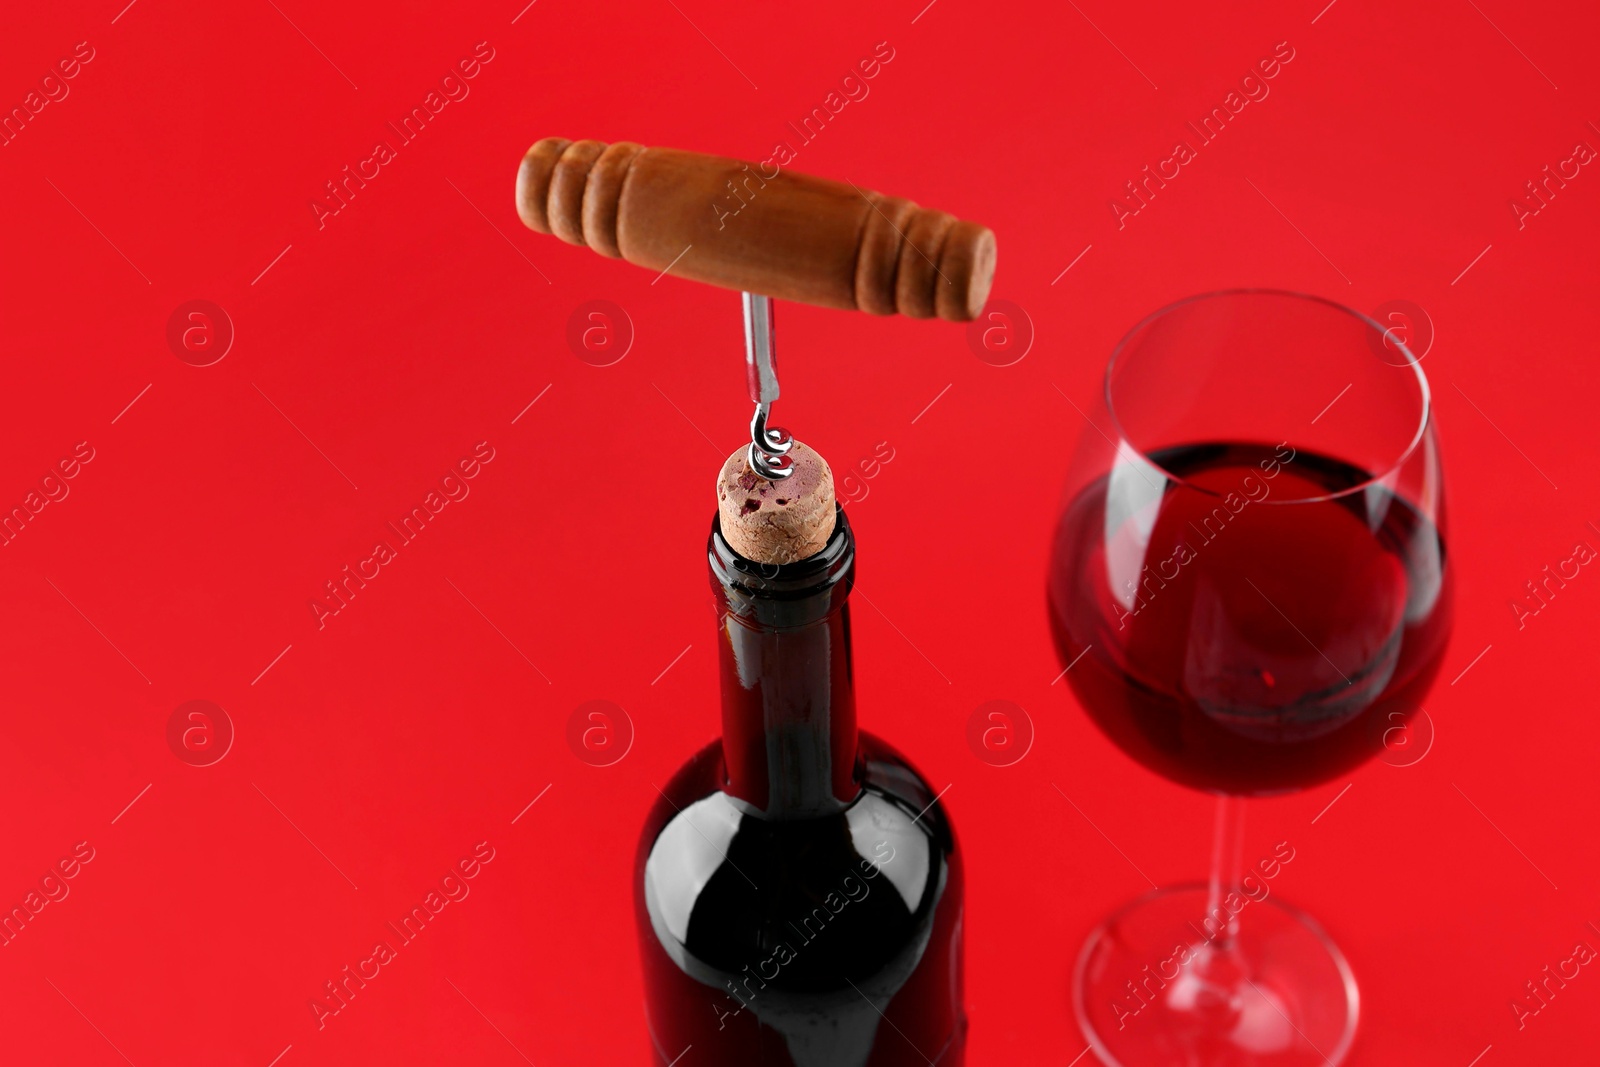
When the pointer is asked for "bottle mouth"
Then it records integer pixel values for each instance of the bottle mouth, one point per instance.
(784, 594)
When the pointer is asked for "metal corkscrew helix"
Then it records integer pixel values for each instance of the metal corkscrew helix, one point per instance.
(769, 446)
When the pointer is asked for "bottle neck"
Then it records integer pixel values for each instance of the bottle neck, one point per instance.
(788, 683)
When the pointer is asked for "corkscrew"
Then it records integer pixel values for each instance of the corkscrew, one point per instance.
(769, 445)
(761, 229)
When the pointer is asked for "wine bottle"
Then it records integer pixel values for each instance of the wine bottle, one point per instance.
(798, 890)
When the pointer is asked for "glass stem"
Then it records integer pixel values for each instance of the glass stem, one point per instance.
(1227, 854)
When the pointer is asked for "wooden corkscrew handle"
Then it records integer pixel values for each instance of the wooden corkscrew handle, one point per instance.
(758, 228)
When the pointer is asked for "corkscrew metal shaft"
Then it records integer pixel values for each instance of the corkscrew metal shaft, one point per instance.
(769, 446)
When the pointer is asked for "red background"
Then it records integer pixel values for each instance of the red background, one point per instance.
(415, 324)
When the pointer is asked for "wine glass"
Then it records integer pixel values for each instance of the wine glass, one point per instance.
(1250, 592)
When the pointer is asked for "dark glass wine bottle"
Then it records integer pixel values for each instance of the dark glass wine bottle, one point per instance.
(798, 892)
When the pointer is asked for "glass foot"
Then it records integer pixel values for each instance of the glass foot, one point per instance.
(1162, 984)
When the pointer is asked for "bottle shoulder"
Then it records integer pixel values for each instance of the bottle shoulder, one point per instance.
(884, 772)
(844, 894)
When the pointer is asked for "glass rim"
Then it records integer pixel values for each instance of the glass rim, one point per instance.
(1412, 361)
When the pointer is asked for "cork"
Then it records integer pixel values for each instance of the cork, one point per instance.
(776, 522)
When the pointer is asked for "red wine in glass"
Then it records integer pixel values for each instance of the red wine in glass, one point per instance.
(1250, 594)
(1277, 627)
